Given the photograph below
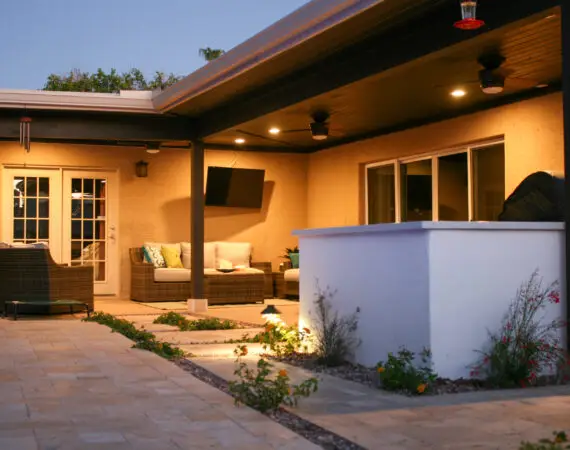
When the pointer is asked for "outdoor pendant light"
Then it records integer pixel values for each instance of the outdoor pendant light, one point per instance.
(469, 19)
(271, 314)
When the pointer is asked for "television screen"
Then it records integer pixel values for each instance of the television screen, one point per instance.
(238, 188)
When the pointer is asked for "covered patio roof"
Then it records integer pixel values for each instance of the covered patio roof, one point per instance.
(374, 66)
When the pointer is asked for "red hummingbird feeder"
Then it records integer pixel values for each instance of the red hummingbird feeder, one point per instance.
(469, 19)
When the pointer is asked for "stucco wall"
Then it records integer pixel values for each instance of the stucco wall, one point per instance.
(158, 207)
(533, 141)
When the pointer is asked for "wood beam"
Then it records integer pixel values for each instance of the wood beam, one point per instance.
(101, 127)
(566, 110)
(400, 45)
(197, 219)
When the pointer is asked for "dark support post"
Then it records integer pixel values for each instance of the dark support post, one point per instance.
(197, 219)
(565, 7)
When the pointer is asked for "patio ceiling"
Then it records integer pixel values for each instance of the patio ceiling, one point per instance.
(372, 88)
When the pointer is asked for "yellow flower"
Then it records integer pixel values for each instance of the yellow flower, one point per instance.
(282, 373)
(421, 388)
(381, 369)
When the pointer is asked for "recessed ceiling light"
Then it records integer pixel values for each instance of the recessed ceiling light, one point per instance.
(274, 130)
(457, 93)
(239, 141)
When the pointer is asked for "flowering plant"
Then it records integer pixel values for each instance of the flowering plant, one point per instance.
(559, 442)
(283, 340)
(526, 344)
(257, 389)
(401, 373)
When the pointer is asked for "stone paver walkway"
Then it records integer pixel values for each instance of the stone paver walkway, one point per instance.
(378, 420)
(69, 385)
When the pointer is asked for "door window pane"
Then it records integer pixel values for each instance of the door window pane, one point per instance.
(44, 187)
(43, 210)
(31, 207)
(43, 229)
(488, 182)
(88, 229)
(31, 187)
(416, 191)
(381, 194)
(19, 229)
(453, 187)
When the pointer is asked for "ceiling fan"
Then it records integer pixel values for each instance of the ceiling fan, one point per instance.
(493, 76)
(319, 127)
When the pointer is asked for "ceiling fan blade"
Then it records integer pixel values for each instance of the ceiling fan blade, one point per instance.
(295, 131)
(521, 83)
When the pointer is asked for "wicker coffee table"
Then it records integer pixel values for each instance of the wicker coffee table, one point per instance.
(235, 287)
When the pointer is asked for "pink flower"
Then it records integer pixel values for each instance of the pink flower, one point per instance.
(508, 326)
(505, 340)
(554, 297)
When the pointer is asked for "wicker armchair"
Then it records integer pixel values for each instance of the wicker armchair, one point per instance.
(30, 274)
(291, 286)
(219, 288)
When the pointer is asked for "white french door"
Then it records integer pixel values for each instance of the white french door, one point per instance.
(74, 211)
(31, 201)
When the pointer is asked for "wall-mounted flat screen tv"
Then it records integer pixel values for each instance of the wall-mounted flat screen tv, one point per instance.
(237, 188)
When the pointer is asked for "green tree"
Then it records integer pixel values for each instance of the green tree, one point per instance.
(112, 82)
(209, 54)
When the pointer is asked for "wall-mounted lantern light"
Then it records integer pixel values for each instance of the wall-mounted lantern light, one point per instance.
(271, 314)
(141, 169)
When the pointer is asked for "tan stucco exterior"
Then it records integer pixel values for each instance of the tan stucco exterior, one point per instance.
(533, 141)
(319, 190)
(157, 208)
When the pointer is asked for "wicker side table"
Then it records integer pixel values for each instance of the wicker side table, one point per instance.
(279, 284)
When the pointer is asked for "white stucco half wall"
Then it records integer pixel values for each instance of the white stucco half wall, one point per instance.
(440, 285)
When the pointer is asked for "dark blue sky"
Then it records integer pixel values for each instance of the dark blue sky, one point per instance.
(39, 37)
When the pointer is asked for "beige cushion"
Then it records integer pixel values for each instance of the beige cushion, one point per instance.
(186, 248)
(291, 275)
(171, 275)
(238, 253)
(210, 255)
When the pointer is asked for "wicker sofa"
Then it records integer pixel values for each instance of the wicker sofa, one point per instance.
(30, 274)
(250, 284)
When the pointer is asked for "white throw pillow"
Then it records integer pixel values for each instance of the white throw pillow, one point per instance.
(238, 253)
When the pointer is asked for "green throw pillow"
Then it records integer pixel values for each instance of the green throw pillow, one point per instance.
(294, 257)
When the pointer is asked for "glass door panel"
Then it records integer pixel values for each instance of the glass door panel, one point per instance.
(416, 191)
(89, 236)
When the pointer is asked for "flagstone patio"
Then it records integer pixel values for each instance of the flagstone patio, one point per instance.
(69, 385)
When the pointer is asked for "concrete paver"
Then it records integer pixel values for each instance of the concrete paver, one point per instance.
(380, 420)
(70, 385)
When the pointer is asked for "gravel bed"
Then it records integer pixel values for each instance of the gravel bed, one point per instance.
(368, 376)
(310, 431)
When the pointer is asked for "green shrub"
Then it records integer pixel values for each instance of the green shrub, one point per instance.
(525, 345)
(282, 340)
(178, 320)
(400, 372)
(259, 390)
(559, 442)
(142, 339)
(334, 336)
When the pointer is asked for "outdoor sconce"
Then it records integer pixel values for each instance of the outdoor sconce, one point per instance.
(141, 169)
(271, 314)
(469, 19)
